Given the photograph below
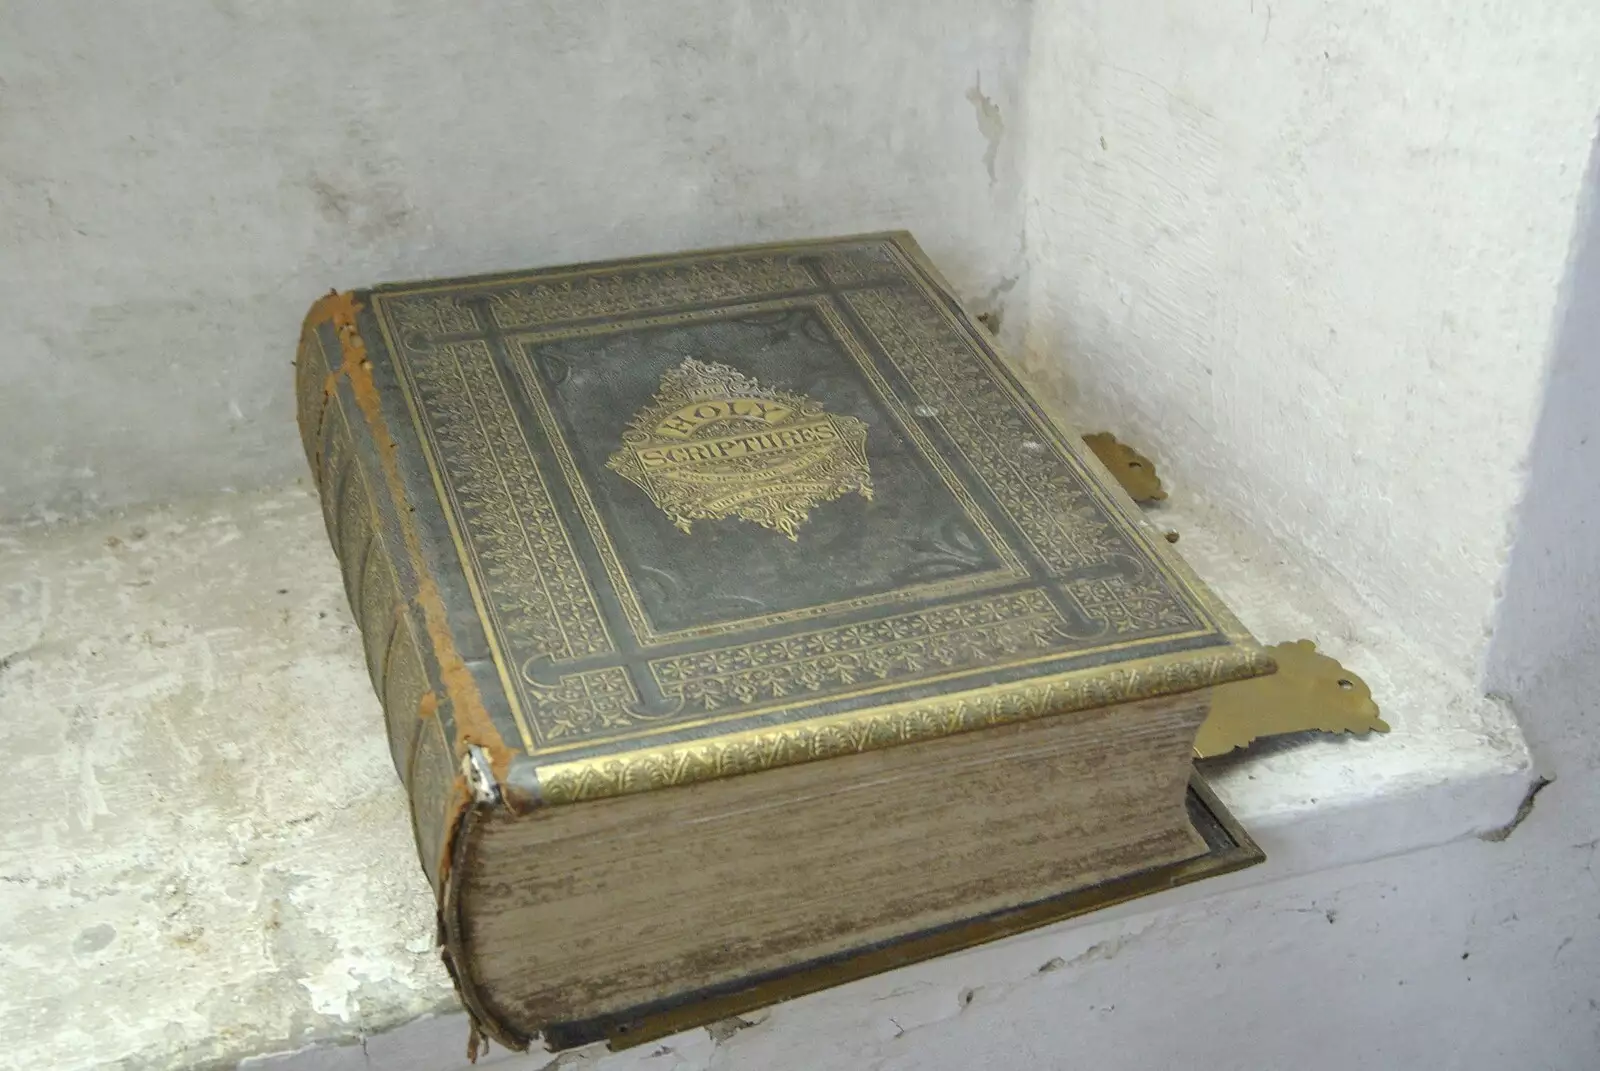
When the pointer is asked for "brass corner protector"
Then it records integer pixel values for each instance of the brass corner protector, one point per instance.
(1135, 472)
(1310, 692)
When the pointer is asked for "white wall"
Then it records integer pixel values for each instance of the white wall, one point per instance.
(1547, 627)
(1309, 253)
(179, 180)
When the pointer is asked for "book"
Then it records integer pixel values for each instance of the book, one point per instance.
(743, 625)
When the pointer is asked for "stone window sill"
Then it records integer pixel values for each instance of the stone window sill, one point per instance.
(201, 808)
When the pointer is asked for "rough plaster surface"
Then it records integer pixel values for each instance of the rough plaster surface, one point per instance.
(1309, 254)
(204, 843)
(178, 181)
(206, 855)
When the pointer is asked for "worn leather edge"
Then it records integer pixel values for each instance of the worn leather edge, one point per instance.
(451, 706)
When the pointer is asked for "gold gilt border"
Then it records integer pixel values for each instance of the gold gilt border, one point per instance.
(753, 750)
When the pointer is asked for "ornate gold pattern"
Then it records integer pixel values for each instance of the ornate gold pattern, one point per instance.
(335, 452)
(380, 598)
(975, 633)
(311, 393)
(714, 443)
(404, 686)
(535, 585)
(1129, 605)
(865, 730)
(394, 659)
(433, 777)
(857, 264)
(355, 532)
(1012, 453)
(576, 295)
(585, 703)
(431, 314)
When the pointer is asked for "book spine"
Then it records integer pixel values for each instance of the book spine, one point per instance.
(339, 448)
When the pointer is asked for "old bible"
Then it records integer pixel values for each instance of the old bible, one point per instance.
(744, 626)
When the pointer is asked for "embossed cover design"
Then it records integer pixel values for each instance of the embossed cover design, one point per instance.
(696, 515)
(714, 444)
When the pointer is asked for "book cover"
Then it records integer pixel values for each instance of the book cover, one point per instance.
(618, 527)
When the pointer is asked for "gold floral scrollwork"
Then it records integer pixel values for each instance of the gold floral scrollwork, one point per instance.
(495, 449)
(421, 318)
(816, 663)
(580, 294)
(858, 264)
(583, 703)
(1128, 605)
(535, 582)
(842, 734)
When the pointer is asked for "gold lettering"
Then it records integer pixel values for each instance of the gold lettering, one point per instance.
(707, 447)
(735, 446)
(683, 423)
(756, 409)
